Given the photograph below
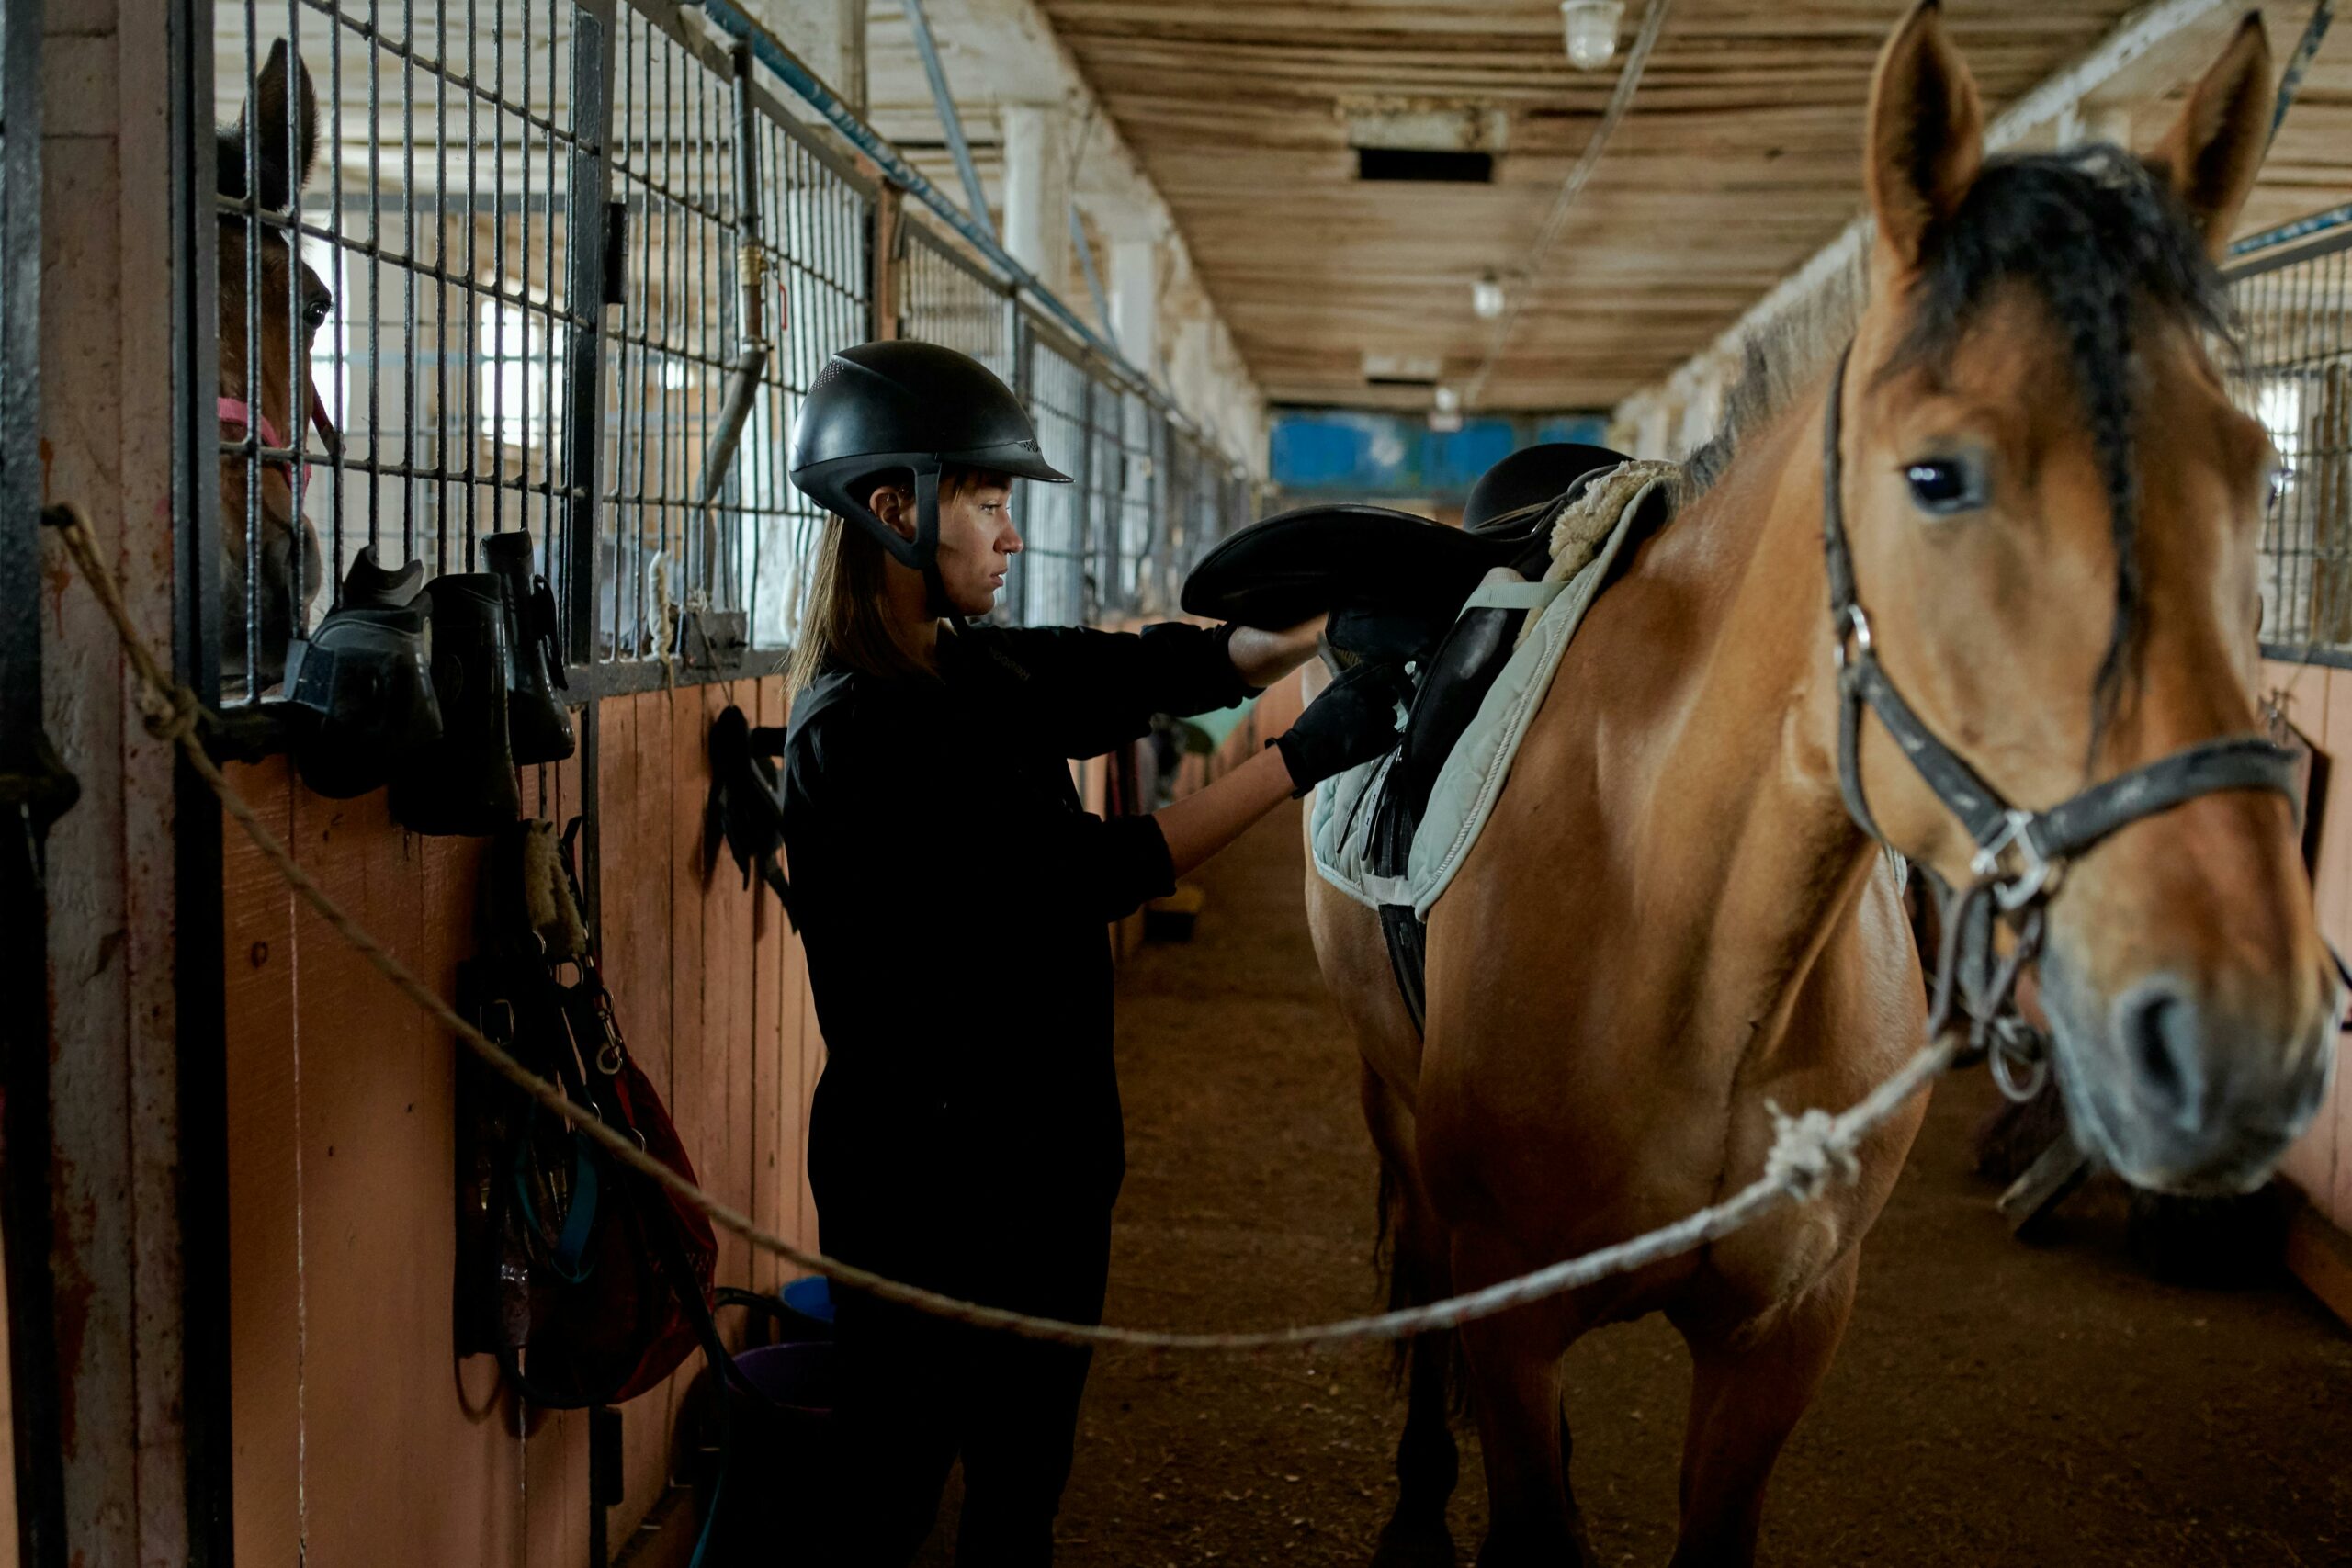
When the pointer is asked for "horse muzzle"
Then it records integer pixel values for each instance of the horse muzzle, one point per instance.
(2180, 1092)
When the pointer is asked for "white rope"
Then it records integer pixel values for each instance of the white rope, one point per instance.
(1810, 1151)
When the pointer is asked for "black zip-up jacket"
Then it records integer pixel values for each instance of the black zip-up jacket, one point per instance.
(953, 897)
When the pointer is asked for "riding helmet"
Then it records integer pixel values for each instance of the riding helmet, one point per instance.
(883, 407)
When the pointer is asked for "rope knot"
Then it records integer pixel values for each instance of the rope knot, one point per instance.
(172, 715)
(1808, 1151)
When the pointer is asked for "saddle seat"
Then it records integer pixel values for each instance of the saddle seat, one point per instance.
(1390, 580)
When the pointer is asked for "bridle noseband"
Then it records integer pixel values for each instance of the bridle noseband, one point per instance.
(2040, 843)
(239, 413)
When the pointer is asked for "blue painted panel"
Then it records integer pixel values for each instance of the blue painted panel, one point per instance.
(1360, 454)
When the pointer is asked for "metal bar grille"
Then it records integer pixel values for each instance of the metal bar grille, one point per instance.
(1053, 568)
(415, 284)
(2294, 313)
(945, 299)
(520, 276)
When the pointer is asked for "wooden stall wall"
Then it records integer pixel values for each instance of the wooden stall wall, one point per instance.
(2317, 698)
(359, 1436)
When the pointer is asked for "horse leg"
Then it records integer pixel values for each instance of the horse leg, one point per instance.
(1523, 1432)
(1428, 1464)
(1750, 1382)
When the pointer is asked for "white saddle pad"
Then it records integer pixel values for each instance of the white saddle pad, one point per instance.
(1473, 776)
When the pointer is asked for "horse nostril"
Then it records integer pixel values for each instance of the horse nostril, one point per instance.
(2157, 1028)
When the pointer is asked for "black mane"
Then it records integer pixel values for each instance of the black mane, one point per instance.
(2101, 239)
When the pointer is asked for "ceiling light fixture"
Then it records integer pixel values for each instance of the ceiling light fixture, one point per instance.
(1448, 399)
(1591, 28)
(1487, 298)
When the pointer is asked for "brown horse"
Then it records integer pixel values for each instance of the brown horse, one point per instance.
(1672, 918)
(271, 308)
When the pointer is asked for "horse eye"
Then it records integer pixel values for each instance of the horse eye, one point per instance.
(314, 314)
(1941, 486)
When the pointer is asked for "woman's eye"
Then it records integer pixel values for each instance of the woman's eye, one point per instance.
(1943, 486)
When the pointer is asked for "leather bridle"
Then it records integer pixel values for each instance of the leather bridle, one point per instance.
(2021, 854)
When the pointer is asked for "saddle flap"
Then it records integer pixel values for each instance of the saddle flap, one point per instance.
(1371, 560)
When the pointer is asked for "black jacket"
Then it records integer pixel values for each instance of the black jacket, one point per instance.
(952, 895)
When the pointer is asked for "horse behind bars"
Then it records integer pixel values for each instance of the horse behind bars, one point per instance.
(272, 306)
(1673, 918)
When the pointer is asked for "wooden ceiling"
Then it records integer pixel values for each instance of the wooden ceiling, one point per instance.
(1739, 158)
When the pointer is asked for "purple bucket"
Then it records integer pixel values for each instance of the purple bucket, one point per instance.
(775, 1478)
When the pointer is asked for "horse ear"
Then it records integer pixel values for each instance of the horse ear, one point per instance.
(283, 168)
(1926, 133)
(2214, 150)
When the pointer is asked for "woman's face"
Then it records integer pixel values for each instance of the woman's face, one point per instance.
(977, 538)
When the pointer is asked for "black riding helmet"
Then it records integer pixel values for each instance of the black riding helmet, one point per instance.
(883, 407)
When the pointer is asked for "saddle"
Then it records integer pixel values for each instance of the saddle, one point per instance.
(1449, 604)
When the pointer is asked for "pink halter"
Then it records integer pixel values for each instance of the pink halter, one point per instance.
(237, 411)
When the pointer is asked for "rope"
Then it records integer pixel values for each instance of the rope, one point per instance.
(1808, 1153)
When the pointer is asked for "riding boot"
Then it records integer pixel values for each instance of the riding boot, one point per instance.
(364, 682)
(537, 721)
(464, 782)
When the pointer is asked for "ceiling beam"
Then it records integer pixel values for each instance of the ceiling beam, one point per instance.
(2118, 65)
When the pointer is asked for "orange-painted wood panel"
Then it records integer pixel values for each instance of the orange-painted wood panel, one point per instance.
(354, 1422)
(265, 1303)
(2303, 691)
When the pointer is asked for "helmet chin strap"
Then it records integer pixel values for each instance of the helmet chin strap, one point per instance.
(927, 542)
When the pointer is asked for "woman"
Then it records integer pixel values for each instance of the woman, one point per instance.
(952, 895)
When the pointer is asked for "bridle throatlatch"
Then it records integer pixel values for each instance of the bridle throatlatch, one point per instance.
(2021, 855)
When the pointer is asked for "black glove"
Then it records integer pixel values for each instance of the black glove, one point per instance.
(1354, 721)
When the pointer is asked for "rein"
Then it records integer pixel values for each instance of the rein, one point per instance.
(2021, 855)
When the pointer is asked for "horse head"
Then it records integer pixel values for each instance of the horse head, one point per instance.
(272, 306)
(2054, 509)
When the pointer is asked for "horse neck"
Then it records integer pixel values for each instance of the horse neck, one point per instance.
(1759, 854)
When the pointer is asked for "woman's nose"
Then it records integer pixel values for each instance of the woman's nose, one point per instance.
(1012, 545)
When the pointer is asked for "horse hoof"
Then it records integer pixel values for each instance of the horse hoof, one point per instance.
(1413, 1546)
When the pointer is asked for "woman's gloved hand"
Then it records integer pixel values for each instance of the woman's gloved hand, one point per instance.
(1354, 721)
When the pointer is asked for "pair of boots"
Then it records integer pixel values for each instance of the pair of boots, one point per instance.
(441, 690)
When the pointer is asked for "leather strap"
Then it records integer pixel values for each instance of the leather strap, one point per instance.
(1513, 595)
(2045, 840)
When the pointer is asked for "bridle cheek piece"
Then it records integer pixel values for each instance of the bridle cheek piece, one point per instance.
(2020, 855)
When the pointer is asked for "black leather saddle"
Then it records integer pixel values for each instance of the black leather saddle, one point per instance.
(1391, 582)
(1394, 586)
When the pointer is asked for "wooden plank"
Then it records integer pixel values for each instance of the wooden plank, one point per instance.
(2301, 690)
(769, 1092)
(639, 926)
(722, 1157)
(376, 1189)
(265, 1299)
(2321, 1256)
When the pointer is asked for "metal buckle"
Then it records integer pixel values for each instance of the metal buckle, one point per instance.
(1853, 629)
(2040, 875)
(2018, 1058)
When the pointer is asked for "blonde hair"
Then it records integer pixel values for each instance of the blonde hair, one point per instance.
(845, 619)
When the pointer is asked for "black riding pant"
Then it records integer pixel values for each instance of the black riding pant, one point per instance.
(917, 1393)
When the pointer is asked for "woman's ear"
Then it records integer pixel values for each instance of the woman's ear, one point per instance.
(895, 504)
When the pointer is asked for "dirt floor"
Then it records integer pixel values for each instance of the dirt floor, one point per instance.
(1995, 1403)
